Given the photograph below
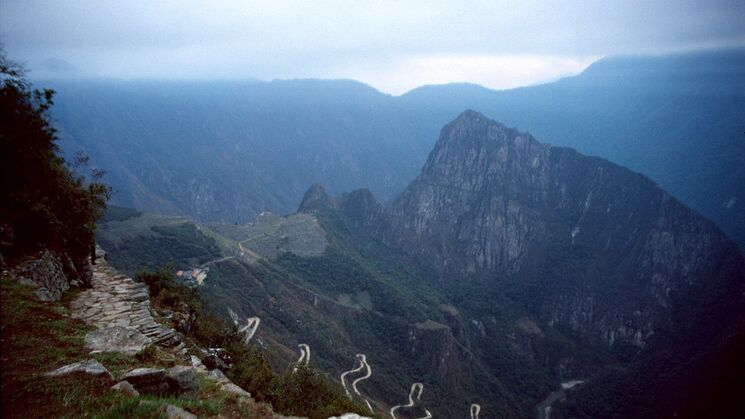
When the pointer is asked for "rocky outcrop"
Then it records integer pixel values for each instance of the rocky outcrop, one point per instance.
(126, 388)
(46, 274)
(224, 383)
(185, 378)
(157, 381)
(472, 209)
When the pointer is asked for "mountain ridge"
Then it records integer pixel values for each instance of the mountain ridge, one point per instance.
(225, 151)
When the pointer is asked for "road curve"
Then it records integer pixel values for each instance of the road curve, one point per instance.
(252, 323)
(475, 409)
(414, 388)
(304, 356)
(368, 373)
(358, 358)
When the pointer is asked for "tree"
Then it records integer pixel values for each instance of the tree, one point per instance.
(46, 203)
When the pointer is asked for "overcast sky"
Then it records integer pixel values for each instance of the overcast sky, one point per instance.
(392, 45)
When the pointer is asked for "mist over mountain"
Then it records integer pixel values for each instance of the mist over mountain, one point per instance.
(226, 150)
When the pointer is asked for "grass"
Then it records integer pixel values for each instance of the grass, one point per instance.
(38, 337)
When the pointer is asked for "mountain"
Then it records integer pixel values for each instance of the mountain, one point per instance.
(585, 245)
(506, 268)
(225, 151)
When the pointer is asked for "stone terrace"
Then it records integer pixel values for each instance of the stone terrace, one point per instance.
(117, 300)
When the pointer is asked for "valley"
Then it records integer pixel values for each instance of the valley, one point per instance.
(372, 210)
(493, 279)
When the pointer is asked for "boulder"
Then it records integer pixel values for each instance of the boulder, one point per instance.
(100, 253)
(234, 389)
(157, 381)
(149, 381)
(46, 274)
(197, 363)
(184, 378)
(116, 339)
(217, 375)
(89, 367)
(125, 388)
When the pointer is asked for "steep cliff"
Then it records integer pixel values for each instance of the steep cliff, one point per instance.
(597, 247)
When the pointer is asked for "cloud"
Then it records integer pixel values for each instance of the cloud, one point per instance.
(495, 71)
(386, 43)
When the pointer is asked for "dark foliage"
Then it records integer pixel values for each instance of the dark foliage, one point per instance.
(45, 203)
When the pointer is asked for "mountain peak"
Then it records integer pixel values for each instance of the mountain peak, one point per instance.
(314, 198)
(470, 115)
(476, 128)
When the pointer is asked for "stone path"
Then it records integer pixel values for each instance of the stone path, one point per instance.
(117, 300)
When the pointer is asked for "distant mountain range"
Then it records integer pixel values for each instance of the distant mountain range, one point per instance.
(227, 150)
(506, 268)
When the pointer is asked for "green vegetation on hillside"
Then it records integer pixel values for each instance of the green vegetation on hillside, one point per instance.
(160, 240)
(304, 392)
(45, 202)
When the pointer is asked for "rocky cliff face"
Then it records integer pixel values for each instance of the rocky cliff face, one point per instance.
(598, 247)
(470, 209)
(51, 274)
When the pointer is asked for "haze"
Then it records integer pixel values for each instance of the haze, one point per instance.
(393, 46)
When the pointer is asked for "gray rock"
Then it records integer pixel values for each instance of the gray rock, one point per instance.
(175, 412)
(217, 375)
(234, 389)
(90, 367)
(197, 363)
(184, 377)
(116, 339)
(46, 274)
(100, 253)
(125, 388)
(149, 381)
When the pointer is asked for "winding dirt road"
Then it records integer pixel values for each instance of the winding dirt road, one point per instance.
(358, 358)
(475, 409)
(368, 373)
(252, 323)
(304, 356)
(362, 359)
(414, 388)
